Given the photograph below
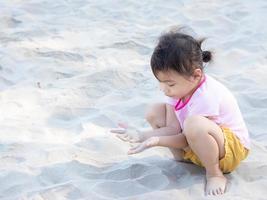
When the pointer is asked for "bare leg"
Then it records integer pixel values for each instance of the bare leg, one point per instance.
(156, 117)
(206, 139)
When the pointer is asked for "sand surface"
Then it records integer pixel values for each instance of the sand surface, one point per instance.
(70, 70)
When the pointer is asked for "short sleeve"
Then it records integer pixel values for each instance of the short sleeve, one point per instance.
(206, 105)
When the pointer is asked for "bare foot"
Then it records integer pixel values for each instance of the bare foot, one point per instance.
(215, 185)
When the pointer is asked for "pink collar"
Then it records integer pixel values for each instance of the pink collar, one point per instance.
(178, 106)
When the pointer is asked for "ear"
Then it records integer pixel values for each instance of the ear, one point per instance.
(197, 74)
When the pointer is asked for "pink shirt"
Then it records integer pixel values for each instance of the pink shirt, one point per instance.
(213, 99)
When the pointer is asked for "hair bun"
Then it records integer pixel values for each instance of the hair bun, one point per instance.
(206, 56)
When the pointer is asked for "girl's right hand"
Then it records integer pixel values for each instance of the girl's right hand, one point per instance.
(150, 142)
(127, 134)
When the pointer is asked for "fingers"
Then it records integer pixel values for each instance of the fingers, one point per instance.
(137, 149)
(141, 147)
(124, 137)
(134, 140)
(127, 138)
(118, 130)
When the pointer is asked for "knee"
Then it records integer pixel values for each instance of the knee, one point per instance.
(193, 127)
(152, 114)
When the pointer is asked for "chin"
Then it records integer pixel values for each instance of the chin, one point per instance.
(174, 97)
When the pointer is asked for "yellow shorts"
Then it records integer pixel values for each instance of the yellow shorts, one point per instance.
(235, 152)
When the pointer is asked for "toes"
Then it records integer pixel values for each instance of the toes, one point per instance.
(212, 192)
(216, 185)
(219, 191)
(215, 191)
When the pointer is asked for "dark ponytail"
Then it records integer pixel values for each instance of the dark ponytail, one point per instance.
(206, 56)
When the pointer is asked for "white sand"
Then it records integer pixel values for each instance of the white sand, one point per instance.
(70, 70)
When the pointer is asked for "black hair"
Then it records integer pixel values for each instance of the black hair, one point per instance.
(179, 52)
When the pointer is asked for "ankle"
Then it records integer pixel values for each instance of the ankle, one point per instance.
(213, 171)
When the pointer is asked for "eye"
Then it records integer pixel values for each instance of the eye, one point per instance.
(171, 85)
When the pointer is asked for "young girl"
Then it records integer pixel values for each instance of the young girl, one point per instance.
(200, 117)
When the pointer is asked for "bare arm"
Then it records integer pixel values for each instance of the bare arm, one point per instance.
(172, 125)
(170, 136)
(164, 131)
(174, 141)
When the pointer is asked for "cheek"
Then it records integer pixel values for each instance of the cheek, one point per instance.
(173, 91)
(178, 90)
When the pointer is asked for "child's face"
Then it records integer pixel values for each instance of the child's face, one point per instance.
(177, 86)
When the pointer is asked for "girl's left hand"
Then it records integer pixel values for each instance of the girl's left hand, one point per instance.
(150, 142)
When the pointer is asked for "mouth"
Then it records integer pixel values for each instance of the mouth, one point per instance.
(170, 96)
(174, 97)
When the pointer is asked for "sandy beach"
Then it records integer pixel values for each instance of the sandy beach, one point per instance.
(71, 70)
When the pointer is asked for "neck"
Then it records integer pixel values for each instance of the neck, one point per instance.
(197, 85)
